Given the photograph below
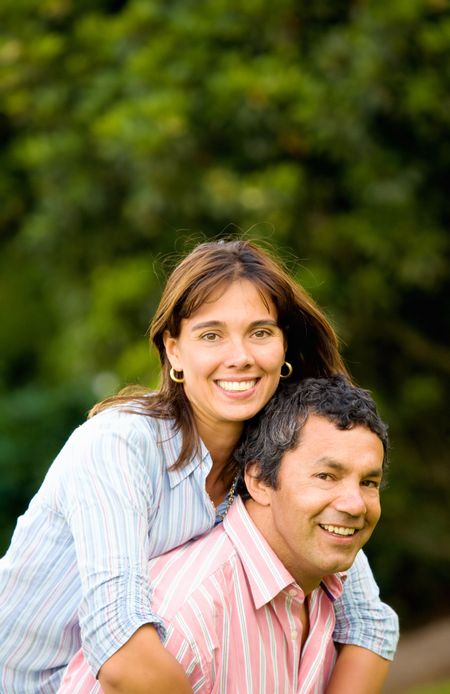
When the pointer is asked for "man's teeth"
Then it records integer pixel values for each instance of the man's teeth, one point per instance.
(236, 385)
(339, 530)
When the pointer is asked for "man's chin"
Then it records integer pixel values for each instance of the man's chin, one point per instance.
(343, 565)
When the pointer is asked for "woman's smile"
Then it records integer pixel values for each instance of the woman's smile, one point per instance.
(237, 386)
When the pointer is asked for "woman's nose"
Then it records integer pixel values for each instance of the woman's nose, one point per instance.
(239, 355)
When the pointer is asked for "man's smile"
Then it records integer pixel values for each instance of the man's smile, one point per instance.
(338, 529)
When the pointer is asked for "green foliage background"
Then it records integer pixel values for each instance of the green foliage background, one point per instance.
(131, 129)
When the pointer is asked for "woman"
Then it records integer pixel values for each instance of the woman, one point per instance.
(152, 470)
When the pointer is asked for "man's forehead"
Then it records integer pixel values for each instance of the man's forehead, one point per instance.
(315, 423)
(330, 444)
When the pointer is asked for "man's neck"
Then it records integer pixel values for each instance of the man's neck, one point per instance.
(261, 517)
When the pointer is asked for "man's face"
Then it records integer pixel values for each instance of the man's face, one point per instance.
(327, 502)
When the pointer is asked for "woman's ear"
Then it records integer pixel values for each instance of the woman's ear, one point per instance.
(172, 351)
(258, 490)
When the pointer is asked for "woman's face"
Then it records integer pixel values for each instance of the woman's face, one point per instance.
(230, 351)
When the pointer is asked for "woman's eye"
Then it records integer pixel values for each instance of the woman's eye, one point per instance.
(210, 337)
(262, 333)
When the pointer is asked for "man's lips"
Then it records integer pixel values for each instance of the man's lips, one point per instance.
(342, 530)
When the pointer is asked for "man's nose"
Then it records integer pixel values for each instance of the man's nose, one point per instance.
(351, 501)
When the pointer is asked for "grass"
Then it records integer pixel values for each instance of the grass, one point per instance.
(441, 688)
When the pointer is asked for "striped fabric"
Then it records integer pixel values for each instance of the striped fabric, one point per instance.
(233, 617)
(109, 502)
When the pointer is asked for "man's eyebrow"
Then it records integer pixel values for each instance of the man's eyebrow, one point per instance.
(336, 465)
(330, 462)
(218, 324)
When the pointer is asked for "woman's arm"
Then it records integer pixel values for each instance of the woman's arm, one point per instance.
(106, 498)
(366, 634)
(143, 666)
(359, 671)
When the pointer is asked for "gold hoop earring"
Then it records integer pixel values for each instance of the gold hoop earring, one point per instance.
(174, 377)
(289, 368)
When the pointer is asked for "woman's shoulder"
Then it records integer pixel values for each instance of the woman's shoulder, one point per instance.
(128, 422)
(114, 441)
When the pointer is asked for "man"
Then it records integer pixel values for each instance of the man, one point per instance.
(249, 606)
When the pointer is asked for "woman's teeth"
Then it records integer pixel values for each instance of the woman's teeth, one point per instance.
(237, 385)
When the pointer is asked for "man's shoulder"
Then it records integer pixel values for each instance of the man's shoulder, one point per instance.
(200, 569)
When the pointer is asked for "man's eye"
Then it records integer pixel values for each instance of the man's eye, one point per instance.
(210, 337)
(262, 332)
(373, 484)
(324, 476)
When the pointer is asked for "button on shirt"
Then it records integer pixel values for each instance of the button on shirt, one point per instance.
(233, 617)
(76, 571)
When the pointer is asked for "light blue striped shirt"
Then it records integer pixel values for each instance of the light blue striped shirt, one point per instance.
(76, 571)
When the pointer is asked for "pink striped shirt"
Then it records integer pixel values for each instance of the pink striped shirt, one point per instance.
(232, 612)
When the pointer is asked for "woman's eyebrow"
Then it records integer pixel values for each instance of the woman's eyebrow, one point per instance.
(218, 324)
(207, 324)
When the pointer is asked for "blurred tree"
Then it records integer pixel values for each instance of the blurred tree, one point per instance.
(129, 127)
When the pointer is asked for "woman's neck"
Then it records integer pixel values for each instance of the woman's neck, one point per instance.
(221, 445)
(219, 480)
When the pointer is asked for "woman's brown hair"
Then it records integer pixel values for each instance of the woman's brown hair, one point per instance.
(312, 345)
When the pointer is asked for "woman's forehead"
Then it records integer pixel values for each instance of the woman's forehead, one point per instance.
(241, 287)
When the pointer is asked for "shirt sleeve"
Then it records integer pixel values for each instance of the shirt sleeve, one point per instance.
(361, 618)
(79, 678)
(188, 654)
(108, 499)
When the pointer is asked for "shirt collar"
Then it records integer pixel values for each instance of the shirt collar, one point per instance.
(266, 574)
(333, 585)
(170, 442)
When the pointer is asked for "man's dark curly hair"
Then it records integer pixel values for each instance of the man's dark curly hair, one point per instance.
(277, 428)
